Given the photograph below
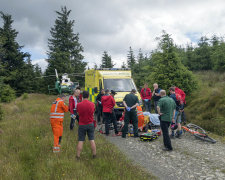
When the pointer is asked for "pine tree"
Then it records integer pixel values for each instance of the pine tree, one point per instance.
(131, 59)
(168, 69)
(190, 57)
(124, 65)
(64, 48)
(203, 55)
(11, 56)
(95, 66)
(140, 57)
(218, 57)
(106, 61)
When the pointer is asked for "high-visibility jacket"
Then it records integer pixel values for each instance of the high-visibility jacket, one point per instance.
(57, 110)
(140, 117)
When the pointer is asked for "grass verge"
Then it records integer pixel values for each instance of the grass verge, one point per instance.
(26, 148)
(206, 106)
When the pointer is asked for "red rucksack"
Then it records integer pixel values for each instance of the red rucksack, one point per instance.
(179, 99)
(181, 93)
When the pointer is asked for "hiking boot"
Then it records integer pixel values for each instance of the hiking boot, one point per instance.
(94, 156)
(167, 149)
(56, 149)
(172, 136)
(77, 158)
(178, 136)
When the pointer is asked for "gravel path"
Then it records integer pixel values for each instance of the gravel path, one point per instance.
(191, 158)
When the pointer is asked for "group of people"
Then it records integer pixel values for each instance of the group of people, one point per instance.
(168, 116)
(147, 95)
(170, 109)
(105, 104)
(82, 110)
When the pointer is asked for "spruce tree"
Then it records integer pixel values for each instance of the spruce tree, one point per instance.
(131, 59)
(218, 57)
(167, 69)
(140, 57)
(203, 55)
(64, 48)
(106, 61)
(11, 56)
(124, 65)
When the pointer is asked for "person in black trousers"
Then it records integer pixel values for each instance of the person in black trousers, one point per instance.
(108, 104)
(156, 96)
(166, 108)
(99, 105)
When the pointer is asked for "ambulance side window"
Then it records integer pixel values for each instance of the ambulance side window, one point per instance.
(100, 84)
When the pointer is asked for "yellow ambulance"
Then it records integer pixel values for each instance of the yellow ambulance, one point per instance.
(117, 79)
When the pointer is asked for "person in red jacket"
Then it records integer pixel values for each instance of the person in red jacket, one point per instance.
(183, 95)
(86, 110)
(146, 96)
(108, 104)
(73, 101)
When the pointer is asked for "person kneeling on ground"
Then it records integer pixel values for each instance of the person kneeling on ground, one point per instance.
(56, 118)
(166, 108)
(130, 102)
(87, 125)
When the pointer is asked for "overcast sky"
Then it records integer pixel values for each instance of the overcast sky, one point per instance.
(115, 25)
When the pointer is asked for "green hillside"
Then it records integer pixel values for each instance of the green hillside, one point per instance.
(206, 106)
(26, 148)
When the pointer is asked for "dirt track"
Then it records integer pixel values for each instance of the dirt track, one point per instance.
(191, 158)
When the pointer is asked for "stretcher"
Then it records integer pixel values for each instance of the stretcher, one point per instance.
(149, 136)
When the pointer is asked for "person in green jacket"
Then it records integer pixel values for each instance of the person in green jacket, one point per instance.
(166, 109)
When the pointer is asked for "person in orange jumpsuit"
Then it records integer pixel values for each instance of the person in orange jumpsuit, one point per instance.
(56, 118)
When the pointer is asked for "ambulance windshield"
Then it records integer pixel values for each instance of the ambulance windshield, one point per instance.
(119, 85)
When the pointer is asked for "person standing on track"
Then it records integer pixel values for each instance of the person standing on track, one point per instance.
(99, 105)
(183, 95)
(146, 96)
(166, 108)
(179, 109)
(73, 101)
(130, 102)
(87, 124)
(56, 118)
(156, 96)
(108, 104)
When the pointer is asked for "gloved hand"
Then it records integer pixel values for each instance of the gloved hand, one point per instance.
(73, 116)
(146, 100)
(128, 109)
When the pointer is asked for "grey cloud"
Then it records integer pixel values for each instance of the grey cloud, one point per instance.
(115, 25)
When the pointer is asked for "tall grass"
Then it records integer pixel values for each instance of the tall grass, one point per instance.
(26, 148)
(206, 106)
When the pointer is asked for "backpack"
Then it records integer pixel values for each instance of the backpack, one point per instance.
(182, 94)
(179, 99)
